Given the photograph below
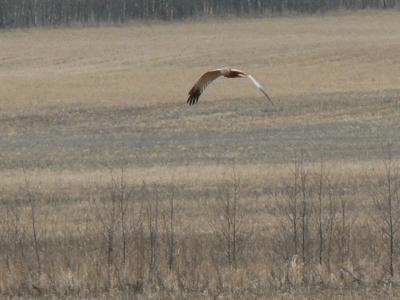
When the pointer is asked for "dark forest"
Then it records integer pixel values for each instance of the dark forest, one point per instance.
(27, 13)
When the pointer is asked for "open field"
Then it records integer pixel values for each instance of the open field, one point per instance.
(116, 95)
(78, 105)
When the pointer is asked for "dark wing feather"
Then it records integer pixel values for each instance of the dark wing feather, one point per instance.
(201, 85)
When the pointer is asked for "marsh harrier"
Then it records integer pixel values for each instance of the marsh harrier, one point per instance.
(210, 76)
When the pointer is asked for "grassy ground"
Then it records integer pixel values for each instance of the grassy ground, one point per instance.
(79, 104)
(116, 95)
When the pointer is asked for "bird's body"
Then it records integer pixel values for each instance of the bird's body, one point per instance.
(211, 75)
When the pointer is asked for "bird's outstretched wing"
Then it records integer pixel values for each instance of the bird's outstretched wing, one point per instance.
(260, 87)
(201, 84)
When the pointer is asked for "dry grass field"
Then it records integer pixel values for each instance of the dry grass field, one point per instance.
(112, 187)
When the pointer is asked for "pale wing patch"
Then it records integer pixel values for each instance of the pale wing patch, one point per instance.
(256, 83)
(207, 78)
(260, 87)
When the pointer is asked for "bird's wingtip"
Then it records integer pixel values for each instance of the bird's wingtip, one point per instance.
(193, 97)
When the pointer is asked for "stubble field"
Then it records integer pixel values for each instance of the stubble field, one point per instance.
(112, 186)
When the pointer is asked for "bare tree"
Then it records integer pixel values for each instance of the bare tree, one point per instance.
(64, 12)
(32, 200)
(292, 202)
(387, 205)
(169, 225)
(330, 224)
(152, 212)
(305, 210)
(320, 184)
(227, 219)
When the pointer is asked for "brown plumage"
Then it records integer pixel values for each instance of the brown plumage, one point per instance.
(210, 76)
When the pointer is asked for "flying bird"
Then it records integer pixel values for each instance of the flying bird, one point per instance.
(210, 76)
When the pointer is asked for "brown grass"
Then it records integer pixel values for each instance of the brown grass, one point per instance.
(78, 104)
(157, 63)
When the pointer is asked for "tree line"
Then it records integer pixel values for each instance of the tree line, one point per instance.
(26, 13)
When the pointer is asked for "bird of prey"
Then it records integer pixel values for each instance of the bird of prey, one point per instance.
(210, 76)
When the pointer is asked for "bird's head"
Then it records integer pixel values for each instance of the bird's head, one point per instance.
(225, 71)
